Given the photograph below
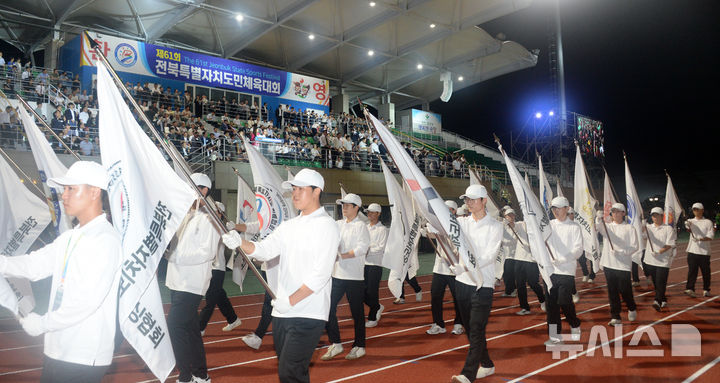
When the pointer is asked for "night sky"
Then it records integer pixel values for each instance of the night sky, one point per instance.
(648, 70)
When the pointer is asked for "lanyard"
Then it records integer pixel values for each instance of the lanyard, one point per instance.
(68, 253)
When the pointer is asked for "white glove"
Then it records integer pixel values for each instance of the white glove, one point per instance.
(687, 225)
(616, 253)
(600, 214)
(232, 240)
(652, 253)
(33, 324)
(457, 269)
(230, 226)
(281, 304)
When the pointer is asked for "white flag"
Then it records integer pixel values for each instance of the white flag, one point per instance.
(634, 212)
(608, 197)
(23, 217)
(673, 208)
(273, 208)
(559, 189)
(148, 202)
(403, 235)
(536, 220)
(49, 166)
(545, 192)
(8, 299)
(527, 180)
(431, 205)
(585, 212)
(246, 213)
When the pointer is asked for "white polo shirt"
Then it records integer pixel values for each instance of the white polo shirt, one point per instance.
(700, 228)
(660, 236)
(522, 251)
(378, 239)
(624, 242)
(566, 245)
(486, 234)
(354, 235)
(308, 246)
(82, 329)
(509, 243)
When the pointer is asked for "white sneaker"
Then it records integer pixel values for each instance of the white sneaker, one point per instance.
(399, 301)
(590, 280)
(632, 315)
(585, 278)
(576, 298)
(656, 305)
(458, 329)
(614, 322)
(690, 293)
(553, 342)
(663, 305)
(371, 323)
(706, 293)
(252, 340)
(379, 313)
(334, 350)
(355, 353)
(575, 333)
(201, 380)
(497, 282)
(418, 296)
(460, 379)
(484, 372)
(636, 284)
(180, 381)
(542, 307)
(232, 325)
(435, 329)
(524, 312)
(202, 333)
(513, 294)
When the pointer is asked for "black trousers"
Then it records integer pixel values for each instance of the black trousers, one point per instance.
(509, 276)
(216, 296)
(265, 314)
(619, 284)
(528, 273)
(57, 371)
(659, 276)
(413, 283)
(185, 335)
(584, 267)
(437, 295)
(702, 262)
(474, 306)
(295, 341)
(355, 292)
(636, 269)
(372, 288)
(560, 297)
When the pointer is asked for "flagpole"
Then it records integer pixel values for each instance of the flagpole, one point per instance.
(175, 157)
(444, 233)
(502, 151)
(516, 234)
(42, 121)
(27, 177)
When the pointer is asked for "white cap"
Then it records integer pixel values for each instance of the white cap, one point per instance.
(305, 177)
(82, 173)
(657, 210)
(506, 207)
(462, 210)
(201, 180)
(618, 206)
(698, 205)
(451, 204)
(571, 210)
(507, 211)
(220, 206)
(475, 192)
(350, 198)
(374, 208)
(560, 201)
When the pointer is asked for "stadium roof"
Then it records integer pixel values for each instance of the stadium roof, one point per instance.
(441, 35)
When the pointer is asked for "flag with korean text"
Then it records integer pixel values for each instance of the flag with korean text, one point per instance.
(585, 212)
(23, 217)
(148, 202)
(545, 192)
(634, 213)
(432, 207)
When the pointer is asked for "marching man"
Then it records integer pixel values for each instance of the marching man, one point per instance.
(620, 244)
(347, 277)
(526, 269)
(474, 302)
(307, 246)
(79, 325)
(566, 246)
(659, 254)
(698, 249)
(373, 264)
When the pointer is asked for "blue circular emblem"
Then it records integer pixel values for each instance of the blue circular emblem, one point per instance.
(126, 55)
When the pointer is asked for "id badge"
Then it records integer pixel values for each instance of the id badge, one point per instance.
(58, 298)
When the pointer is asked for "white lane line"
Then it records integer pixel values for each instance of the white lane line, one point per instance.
(701, 371)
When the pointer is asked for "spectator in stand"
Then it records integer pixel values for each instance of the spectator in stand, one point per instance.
(84, 115)
(71, 115)
(86, 147)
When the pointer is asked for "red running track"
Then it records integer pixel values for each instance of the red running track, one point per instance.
(399, 350)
